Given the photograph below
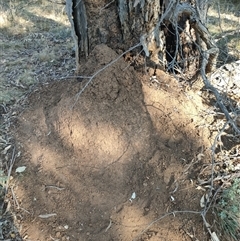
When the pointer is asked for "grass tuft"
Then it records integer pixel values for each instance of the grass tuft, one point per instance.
(227, 211)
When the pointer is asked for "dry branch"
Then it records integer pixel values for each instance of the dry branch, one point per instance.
(206, 55)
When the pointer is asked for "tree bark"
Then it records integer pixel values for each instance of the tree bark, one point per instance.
(77, 16)
(172, 32)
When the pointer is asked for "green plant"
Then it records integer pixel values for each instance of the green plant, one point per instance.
(227, 210)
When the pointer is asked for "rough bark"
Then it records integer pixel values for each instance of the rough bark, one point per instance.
(77, 16)
(172, 32)
(69, 10)
(81, 25)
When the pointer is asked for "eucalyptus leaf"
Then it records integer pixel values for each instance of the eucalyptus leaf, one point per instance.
(21, 169)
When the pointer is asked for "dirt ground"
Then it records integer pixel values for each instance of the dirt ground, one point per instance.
(108, 164)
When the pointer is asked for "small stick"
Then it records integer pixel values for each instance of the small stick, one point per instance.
(102, 69)
(106, 5)
(58, 188)
(109, 226)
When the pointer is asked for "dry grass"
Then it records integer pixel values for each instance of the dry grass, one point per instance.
(224, 24)
(35, 43)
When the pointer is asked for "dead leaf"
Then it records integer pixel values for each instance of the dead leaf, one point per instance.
(199, 156)
(21, 169)
(47, 215)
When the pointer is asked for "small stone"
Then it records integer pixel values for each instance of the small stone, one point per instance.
(58, 234)
(151, 71)
(160, 72)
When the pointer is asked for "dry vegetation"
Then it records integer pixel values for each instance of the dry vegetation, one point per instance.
(36, 46)
(224, 24)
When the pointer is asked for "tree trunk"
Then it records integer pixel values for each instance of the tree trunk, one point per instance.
(77, 16)
(172, 32)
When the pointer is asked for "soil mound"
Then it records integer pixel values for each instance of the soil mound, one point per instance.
(104, 166)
